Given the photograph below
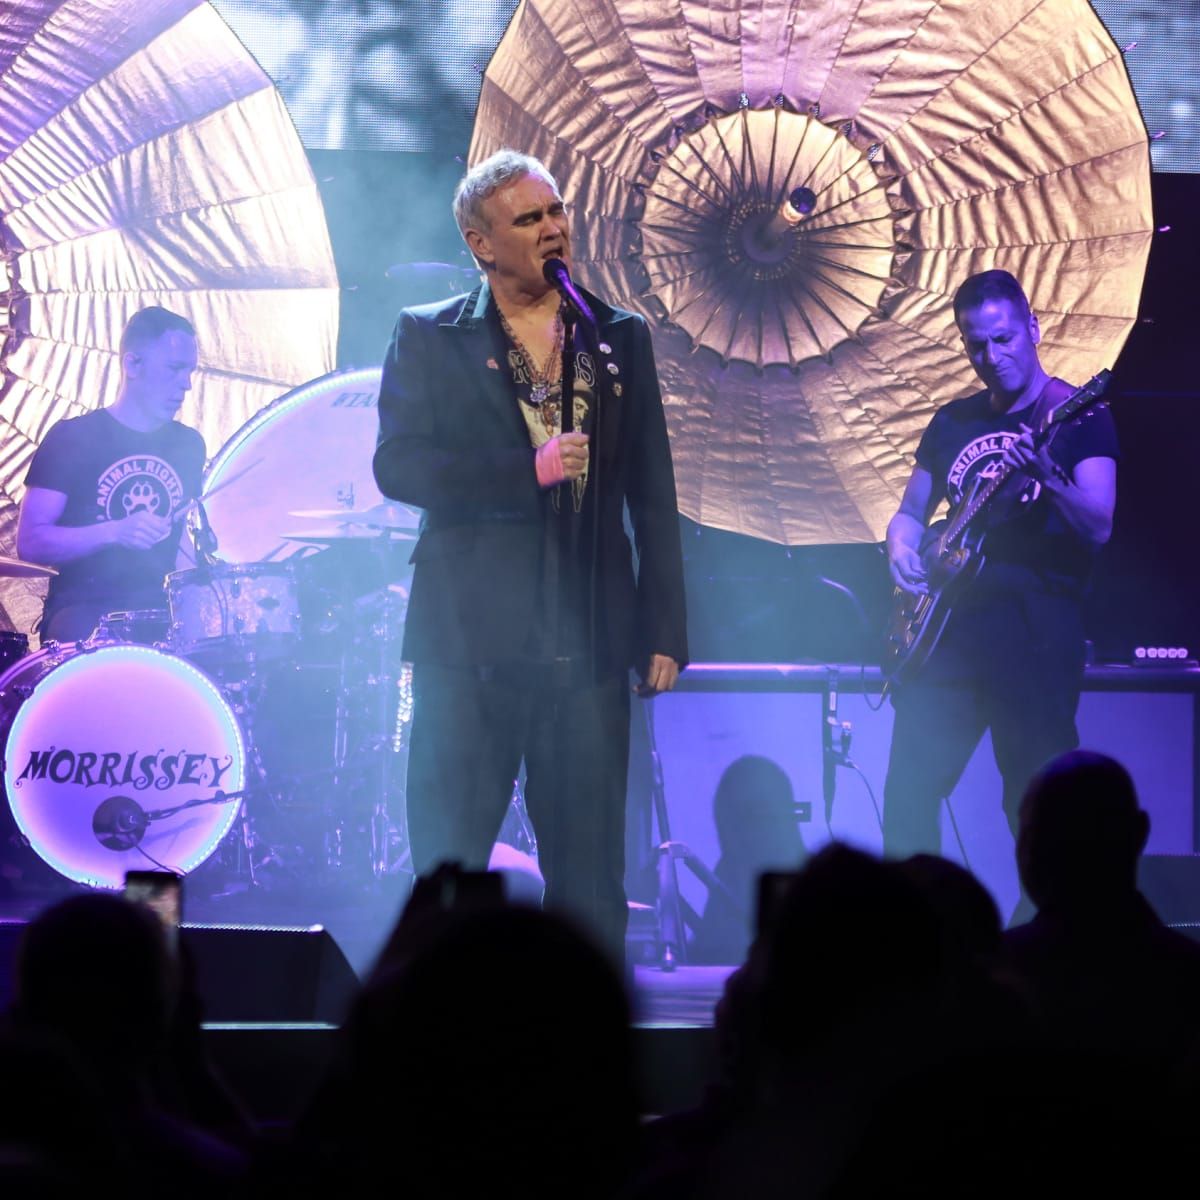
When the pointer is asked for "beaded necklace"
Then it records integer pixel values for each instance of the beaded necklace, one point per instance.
(542, 383)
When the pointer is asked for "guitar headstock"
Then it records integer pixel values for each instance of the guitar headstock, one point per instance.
(1080, 400)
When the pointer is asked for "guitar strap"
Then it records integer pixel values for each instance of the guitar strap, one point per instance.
(1053, 392)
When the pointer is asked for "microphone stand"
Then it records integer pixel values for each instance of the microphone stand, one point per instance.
(120, 823)
(566, 490)
(204, 541)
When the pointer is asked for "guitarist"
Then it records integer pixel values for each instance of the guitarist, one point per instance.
(1011, 657)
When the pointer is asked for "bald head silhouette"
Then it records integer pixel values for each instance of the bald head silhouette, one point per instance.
(1081, 832)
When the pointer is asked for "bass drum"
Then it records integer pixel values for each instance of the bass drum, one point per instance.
(308, 452)
(310, 449)
(112, 754)
(326, 717)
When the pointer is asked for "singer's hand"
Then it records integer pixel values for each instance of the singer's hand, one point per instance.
(661, 675)
(562, 458)
(139, 531)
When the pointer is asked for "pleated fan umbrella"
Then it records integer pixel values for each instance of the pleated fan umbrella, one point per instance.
(791, 193)
(145, 158)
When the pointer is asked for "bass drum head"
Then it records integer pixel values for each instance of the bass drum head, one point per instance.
(100, 737)
(310, 449)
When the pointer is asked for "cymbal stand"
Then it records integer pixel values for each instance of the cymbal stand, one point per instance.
(392, 709)
(335, 842)
(240, 691)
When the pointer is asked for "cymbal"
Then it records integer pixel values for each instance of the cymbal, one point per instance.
(351, 533)
(18, 568)
(380, 516)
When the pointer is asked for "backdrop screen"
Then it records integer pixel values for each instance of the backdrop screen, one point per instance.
(404, 74)
(374, 74)
(1165, 69)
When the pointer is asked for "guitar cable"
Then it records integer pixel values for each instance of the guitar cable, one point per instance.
(962, 849)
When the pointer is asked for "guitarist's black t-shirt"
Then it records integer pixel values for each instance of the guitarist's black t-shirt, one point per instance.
(962, 446)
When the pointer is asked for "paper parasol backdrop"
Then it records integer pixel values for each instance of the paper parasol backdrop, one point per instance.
(800, 362)
(145, 158)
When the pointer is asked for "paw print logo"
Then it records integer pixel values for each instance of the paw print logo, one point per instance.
(141, 497)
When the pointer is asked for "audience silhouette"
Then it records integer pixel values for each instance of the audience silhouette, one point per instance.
(1103, 971)
(882, 1036)
(99, 988)
(463, 1062)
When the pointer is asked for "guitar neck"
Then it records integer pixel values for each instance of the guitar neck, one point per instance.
(967, 513)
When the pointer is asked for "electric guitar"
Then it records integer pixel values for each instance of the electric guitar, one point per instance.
(952, 549)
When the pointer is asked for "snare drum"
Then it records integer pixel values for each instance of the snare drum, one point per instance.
(141, 626)
(229, 615)
(100, 740)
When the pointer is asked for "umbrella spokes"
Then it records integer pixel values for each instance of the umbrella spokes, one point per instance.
(802, 352)
(767, 236)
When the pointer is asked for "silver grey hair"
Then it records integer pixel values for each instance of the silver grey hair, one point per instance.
(488, 177)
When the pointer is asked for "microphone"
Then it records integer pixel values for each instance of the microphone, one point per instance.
(203, 538)
(555, 272)
(119, 823)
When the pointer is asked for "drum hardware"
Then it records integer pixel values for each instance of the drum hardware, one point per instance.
(139, 626)
(13, 647)
(204, 540)
(386, 610)
(332, 820)
(238, 692)
(371, 699)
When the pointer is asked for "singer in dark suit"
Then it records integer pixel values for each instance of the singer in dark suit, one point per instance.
(527, 610)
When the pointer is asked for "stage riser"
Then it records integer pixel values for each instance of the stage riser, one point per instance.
(701, 733)
(248, 974)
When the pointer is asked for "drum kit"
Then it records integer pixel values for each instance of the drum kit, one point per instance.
(257, 722)
(260, 717)
(267, 698)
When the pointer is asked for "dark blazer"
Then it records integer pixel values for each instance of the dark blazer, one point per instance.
(453, 442)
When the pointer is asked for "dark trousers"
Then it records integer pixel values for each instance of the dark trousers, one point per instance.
(72, 623)
(469, 735)
(1011, 663)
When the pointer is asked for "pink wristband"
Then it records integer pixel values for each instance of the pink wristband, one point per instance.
(549, 465)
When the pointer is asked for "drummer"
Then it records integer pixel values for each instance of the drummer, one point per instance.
(107, 491)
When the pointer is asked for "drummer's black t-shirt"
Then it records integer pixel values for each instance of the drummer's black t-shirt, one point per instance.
(108, 471)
